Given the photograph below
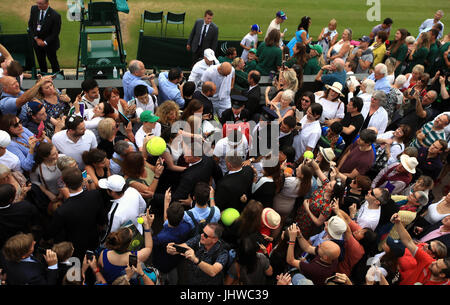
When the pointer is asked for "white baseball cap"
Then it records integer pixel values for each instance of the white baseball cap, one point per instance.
(5, 139)
(114, 183)
(210, 55)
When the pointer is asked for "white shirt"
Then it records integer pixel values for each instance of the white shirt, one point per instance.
(308, 136)
(368, 218)
(247, 41)
(223, 85)
(11, 161)
(130, 206)
(272, 25)
(197, 72)
(223, 147)
(90, 122)
(140, 134)
(89, 104)
(140, 107)
(379, 118)
(331, 110)
(66, 146)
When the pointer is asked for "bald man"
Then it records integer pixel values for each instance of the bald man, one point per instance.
(208, 90)
(324, 263)
(136, 76)
(223, 77)
(12, 98)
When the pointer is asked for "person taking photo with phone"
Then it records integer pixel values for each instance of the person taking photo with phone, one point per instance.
(115, 258)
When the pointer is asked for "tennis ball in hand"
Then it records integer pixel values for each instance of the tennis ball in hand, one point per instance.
(156, 146)
(140, 220)
(308, 155)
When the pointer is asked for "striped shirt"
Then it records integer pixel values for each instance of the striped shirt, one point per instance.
(431, 136)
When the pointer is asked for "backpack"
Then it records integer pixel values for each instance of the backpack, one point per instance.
(381, 160)
(200, 225)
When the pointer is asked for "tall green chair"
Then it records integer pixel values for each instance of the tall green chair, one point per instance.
(152, 17)
(173, 18)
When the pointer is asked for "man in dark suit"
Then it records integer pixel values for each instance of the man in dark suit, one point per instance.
(23, 268)
(208, 90)
(287, 127)
(235, 183)
(253, 94)
(201, 168)
(237, 112)
(44, 26)
(78, 219)
(204, 35)
(15, 217)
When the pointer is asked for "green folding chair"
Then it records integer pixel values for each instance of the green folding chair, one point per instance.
(173, 18)
(152, 17)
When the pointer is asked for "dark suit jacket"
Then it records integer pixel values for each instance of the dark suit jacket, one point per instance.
(77, 221)
(29, 273)
(201, 171)
(228, 115)
(265, 194)
(231, 187)
(207, 104)
(210, 40)
(444, 238)
(254, 97)
(18, 217)
(50, 28)
(286, 140)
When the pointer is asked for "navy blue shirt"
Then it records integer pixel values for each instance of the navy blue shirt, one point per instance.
(163, 261)
(431, 166)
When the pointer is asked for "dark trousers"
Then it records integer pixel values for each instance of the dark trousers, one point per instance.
(42, 54)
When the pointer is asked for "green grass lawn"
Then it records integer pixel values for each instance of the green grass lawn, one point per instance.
(234, 18)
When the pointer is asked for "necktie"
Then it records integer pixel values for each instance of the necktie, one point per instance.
(42, 17)
(203, 35)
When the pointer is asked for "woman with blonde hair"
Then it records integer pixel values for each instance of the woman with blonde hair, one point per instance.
(168, 113)
(108, 131)
(390, 65)
(413, 77)
(287, 80)
(341, 48)
(328, 37)
(240, 82)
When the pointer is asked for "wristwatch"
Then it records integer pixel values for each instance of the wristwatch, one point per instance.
(90, 181)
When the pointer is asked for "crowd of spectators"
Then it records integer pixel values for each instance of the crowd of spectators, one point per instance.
(344, 194)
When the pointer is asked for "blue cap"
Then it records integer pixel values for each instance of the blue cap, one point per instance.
(256, 28)
(282, 15)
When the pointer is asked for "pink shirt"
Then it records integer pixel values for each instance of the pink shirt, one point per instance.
(433, 234)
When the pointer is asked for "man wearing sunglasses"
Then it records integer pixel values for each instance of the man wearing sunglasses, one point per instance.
(206, 257)
(370, 212)
(428, 271)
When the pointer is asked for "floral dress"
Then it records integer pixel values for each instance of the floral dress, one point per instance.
(54, 110)
(318, 205)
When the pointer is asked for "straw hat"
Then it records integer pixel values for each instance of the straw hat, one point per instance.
(270, 218)
(336, 87)
(409, 163)
(327, 153)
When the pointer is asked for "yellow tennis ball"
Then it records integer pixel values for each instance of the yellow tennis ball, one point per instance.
(135, 243)
(140, 220)
(229, 216)
(308, 155)
(156, 146)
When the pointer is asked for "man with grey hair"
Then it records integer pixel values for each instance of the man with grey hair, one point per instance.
(380, 77)
(335, 73)
(121, 148)
(417, 113)
(136, 76)
(428, 23)
(375, 115)
(236, 182)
